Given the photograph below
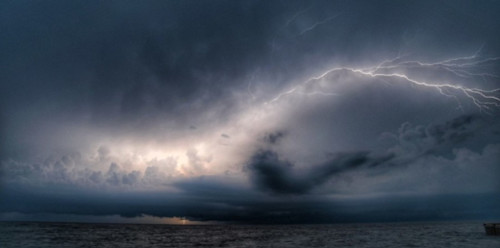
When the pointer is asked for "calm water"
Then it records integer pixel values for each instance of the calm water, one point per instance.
(339, 235)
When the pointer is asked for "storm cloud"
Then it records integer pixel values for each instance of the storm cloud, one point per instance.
(272, 173)
(250, 111)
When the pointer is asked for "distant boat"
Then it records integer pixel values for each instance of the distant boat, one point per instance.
(492, 228)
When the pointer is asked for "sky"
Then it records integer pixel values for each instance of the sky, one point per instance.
(196, 112)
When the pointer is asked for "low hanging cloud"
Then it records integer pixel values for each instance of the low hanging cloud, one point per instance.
(269, 170)
(435, 138)
(276, 175)
(100, 171)
(270, 173)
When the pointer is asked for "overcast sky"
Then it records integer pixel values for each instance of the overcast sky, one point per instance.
(249, 111)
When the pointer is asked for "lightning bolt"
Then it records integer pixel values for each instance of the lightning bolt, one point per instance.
(250, 85)
(294, 17)
(317, 24)
(390, 71)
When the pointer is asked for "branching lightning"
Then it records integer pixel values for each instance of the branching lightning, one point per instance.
(393, 70)
(293, 19)
(313, 26)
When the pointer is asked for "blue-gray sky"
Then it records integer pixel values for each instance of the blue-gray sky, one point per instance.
(249, 111)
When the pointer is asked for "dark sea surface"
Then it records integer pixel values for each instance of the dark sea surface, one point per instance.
(444, 234)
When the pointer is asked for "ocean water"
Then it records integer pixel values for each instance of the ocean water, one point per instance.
(451, 234)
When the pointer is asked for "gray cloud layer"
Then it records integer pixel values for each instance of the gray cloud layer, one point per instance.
(185, 108)
(270, 173)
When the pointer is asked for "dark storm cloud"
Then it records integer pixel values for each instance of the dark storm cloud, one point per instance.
(275, 137)
(146, 70)
(431, 138)
(271, 173)
(130, 62)
(454, 131)
(207, 200)
(131, 65)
